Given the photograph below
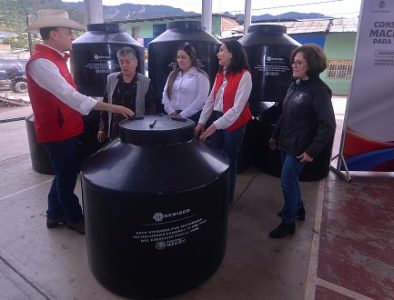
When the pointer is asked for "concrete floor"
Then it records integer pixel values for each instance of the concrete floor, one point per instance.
(343, 250)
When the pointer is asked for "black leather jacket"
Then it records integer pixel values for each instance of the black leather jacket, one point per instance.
(307, 123)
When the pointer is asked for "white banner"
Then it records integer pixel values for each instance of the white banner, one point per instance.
(369, 132)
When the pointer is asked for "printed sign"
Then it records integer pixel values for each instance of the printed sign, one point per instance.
(369, 131)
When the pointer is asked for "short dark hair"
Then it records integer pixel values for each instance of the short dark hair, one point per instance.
(44, 32)
(239, 60)
(315, 57)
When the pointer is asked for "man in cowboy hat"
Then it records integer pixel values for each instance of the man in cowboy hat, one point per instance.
(57, 108)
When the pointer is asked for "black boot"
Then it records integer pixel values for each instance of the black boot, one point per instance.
(282, 230)
(300, 214)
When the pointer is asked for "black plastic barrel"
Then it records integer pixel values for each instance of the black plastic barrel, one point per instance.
(156, 202)
(271, 161)
(93, 58)
(320, 166)
(269, 49)
(263, 126)
(38, 155)
(162, 52)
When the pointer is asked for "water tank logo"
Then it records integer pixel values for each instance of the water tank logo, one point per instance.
(158, 216)
(96, 56)
(381, 8)
(160, 245)
(270, 58)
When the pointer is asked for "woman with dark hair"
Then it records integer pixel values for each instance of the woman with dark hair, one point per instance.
(187, 86)
(305, 127)
(227, 105)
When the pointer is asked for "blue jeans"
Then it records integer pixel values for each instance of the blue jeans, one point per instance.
(230, 143)
(61, 198)
(291, 169)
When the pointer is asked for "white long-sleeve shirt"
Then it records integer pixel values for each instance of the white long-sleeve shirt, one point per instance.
(46, 74)
(189, 93)
(241, 98)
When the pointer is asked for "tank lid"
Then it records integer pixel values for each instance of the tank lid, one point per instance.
(156, 130)
(106, 27)
(185, 25)
(267, 28)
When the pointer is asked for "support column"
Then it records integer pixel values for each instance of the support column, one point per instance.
(248, 14)
(94, 12)
(206, 15)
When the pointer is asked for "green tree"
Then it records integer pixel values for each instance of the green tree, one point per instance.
(17, 42)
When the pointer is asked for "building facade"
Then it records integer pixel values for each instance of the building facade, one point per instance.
(145, 30)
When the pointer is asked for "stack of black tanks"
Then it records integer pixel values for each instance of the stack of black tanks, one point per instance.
(269, 49)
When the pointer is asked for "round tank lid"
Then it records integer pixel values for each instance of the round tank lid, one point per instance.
(156, 130)
(185, 25)
(105, 27)
(267, 28)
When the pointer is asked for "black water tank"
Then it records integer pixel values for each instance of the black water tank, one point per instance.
(320, 166)
(39, 156)
(262, 128)
(94, 56)
(270, 162)
(269, 49)
(162, 52)
(156, 204)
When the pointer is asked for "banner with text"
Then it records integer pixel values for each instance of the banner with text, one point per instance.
(369, 133)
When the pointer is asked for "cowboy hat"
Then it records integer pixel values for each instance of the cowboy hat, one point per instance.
(54, 18)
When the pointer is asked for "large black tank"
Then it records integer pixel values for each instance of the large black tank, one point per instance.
(269, 49)
(162, 52)
(39, 156)
(93, 58)
(156, 204)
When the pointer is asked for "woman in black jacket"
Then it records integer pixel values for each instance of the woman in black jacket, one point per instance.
(305, 127)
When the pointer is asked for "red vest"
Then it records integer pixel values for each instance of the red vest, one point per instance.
(229, 96)
(53, 120)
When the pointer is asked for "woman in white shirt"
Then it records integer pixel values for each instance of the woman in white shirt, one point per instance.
(187, 86)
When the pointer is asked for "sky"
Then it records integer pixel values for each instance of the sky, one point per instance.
(335, 8)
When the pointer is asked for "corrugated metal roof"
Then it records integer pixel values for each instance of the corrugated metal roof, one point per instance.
(305, 26)
(345, 25)
(318, 25)
(171, 18)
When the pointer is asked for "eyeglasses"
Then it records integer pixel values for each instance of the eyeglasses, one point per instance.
(298, 62)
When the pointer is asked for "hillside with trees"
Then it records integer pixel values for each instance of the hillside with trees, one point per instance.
(14, 15)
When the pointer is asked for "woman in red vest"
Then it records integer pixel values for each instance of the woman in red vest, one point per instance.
(227, 105)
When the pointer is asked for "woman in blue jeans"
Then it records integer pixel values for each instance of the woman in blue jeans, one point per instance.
(305, 127)
(227, 105)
